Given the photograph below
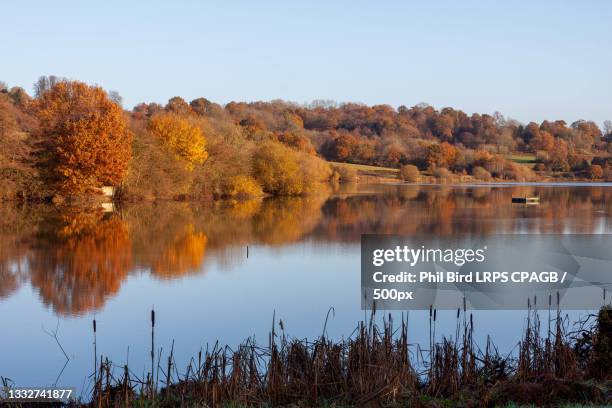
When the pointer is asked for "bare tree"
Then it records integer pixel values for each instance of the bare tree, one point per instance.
(45, 83)
(608, 127)
(115, 97)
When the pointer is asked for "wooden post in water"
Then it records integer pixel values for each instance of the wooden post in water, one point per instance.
(152, 352)
(95, 353)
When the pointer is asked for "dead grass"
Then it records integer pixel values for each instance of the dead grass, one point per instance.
(367, 173)
(377, 366)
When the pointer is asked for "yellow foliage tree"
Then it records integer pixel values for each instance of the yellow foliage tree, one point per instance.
(181, 137)
(241, 186)
(277, 168)
(86, 142)
(284, 171)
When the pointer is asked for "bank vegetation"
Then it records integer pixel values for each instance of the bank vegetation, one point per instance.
(71, 139)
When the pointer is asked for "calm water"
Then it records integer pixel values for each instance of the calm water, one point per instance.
(59, 270)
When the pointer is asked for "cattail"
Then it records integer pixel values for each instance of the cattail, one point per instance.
(152, 353)
(95, 352)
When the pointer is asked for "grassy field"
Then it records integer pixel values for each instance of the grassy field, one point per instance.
(525, 159)
(528, 160)
(373, 171)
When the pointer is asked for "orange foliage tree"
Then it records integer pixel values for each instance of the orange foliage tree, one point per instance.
(181, 137)
(85, 139)
(441, 155)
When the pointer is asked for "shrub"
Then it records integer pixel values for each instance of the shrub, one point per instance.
(410, 173)
(314, 171)
(277, 170)
(241, 187)
(345, 174)
(596, 172)
(539, 167)
(284, 171)
(518, 172)
(602, 345)
(481, 173)
(443, 174)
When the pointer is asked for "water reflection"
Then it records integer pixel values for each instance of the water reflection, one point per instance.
(79, 258)
(76, 258)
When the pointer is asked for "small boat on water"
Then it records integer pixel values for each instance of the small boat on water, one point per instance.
(526, 200)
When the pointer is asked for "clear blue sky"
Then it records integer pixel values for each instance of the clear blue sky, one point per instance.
(531, 60)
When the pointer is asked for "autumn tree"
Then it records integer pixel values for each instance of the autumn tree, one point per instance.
(596, 171)
(543, 140)
(341, 147)
(154, 173)
(585, 134)
(441, 155)
(558, 160)
(84, 136)
(204, 107)
(276, 168)
(181, 137)
(409, 173)
(284, 171)
(178, 105)
(17, 178)
(297, 141)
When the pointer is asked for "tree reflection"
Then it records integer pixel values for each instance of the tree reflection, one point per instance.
(77, 258)
(183, 255)
(83, 257)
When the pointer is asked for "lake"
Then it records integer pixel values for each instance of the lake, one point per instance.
(61, 269)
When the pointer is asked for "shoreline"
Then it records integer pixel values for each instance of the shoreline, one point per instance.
(512, 184)
(96, 200)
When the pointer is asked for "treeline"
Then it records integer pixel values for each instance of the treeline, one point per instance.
(433, 140)
(70, 139)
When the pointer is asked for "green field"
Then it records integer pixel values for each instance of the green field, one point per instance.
(527, 159)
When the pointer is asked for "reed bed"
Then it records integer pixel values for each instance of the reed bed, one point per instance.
(377, 366)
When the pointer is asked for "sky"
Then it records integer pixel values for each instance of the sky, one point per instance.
(530, 60)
